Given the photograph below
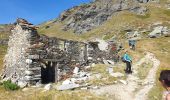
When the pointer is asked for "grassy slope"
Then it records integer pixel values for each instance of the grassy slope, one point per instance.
(122, 20)
(161, 48)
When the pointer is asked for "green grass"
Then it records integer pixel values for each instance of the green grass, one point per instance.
(8, 85)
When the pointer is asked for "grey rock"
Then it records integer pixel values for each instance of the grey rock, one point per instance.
(22, 84)
(48, 86)
(157, 32)
(68, 86)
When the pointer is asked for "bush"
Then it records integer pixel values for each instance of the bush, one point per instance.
(8, 85)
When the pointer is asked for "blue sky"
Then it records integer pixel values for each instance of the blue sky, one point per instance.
(35, 11)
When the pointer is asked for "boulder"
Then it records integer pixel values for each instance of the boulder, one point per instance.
(157, 32)
(76, 70)
(22, 84)
(68, 86)
(28, 61)
(103, 45)
(123, 81)
(48, 86)
(27, 72)
(66, 82)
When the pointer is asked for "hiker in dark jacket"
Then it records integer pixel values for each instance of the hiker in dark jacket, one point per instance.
(128, 61)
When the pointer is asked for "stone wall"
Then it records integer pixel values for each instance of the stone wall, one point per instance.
(32, 58)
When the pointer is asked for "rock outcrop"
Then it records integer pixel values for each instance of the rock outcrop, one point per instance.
(88, 16)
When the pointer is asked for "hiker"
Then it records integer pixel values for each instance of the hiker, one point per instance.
(132, 44)
(127, 59)
(165, 81)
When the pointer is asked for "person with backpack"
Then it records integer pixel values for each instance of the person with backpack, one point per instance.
(165, 81)
(128, 60)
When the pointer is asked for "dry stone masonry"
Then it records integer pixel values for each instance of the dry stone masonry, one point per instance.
(33, 59)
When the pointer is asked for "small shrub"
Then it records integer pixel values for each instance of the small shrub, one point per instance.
(8, 85)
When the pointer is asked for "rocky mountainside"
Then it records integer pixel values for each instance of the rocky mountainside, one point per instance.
(84, 18)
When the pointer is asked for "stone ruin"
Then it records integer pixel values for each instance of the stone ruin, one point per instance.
(33, 58)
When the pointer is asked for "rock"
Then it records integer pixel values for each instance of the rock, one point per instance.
(28, 61)
(123, 81)
(143, 1)
(105, 62)
(83, 74)
(108, 62)
(93, 65)
(48, 86)
(76, 69)
(157, 32)
(68, 86)
(66, 82)
(139, 10)
(22, 84)
(103, 45)
(110, 69)
(29, 72)
(95, 87)
(84, 88)
(28, 77)
(88, 16)
(111, 62)
(39, 84)
(87, 67)
(117, 74)
(82, 78)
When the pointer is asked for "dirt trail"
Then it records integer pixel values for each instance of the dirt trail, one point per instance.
(124, 91)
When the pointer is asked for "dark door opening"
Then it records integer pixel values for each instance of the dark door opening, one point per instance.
(48, 73)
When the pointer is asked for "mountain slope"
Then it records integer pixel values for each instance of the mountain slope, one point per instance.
(130, 16)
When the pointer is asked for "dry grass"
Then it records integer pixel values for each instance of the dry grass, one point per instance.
(161, 48)
(106, 78)
(143, 69)
(40, 94)
(2, 53)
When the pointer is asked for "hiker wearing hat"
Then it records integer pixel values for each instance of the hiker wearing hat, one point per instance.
(127, 59)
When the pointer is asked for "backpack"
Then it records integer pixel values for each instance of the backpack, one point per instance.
(123, 60)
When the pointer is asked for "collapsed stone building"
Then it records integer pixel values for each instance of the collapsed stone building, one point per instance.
(33, 58)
